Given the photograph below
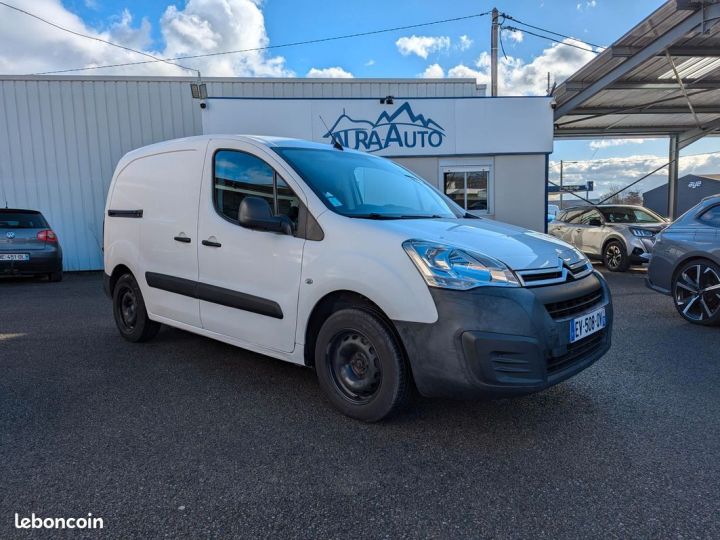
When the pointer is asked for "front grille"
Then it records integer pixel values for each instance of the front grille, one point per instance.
(576, 351)
(568, 308)
(553, 276)
(529, 279)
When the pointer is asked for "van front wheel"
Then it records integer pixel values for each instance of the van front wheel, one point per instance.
(360, 365)
(131, 317)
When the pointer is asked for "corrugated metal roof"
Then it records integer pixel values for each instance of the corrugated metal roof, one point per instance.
(631, 89)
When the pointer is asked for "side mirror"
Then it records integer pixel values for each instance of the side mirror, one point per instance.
(595, 222)
(255, 213)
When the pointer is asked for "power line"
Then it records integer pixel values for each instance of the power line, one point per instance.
(268, 47)
(94, 38)
(510, 17)
(513, 28)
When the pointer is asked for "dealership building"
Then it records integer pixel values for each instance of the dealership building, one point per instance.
(61, 137)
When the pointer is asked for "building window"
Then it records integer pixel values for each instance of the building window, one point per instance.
(469, 187)
(238, 175)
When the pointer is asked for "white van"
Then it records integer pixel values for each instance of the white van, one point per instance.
(348, 263)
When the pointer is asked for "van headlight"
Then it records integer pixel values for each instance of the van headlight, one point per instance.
(449, 267)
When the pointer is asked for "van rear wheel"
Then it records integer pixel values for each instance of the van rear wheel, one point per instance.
(129, 311)
(360, 365)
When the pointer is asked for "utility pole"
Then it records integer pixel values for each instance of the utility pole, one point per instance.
(494, 54)
(561, 184)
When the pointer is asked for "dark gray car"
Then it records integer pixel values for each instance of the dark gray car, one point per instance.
(685, 263)
(28, 246)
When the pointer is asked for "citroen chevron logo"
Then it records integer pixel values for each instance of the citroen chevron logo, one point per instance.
(401, 129)
(10, 235)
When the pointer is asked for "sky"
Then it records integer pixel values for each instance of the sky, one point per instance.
(164, 28)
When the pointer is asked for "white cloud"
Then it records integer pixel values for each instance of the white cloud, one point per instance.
(517, 77)
(370, 62)
(433, 71)
(514, 35)
(461, 71)
(465, 43)
(201, 26)
(610, 172)
(422, 45)
(589, 4)
(607, 143)
(329, 73)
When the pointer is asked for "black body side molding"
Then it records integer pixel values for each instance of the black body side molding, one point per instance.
(214, 294)
(125, 213)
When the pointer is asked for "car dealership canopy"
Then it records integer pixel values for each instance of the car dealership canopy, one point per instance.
(662, 78)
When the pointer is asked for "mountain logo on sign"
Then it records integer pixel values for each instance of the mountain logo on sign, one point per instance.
(401, 129)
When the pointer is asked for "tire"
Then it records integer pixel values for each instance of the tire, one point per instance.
(131, 317)
(360, 365)
(694, 302)
(54, 277)
(615, 256)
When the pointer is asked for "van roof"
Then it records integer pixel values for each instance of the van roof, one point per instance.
(197, 141)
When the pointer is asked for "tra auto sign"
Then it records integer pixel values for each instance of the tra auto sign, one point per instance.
(407, 127)
(394, 130)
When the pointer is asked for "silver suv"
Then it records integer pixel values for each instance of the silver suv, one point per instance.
(620, 235)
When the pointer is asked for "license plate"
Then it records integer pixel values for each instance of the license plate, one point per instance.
(14, 257)
(587, 324)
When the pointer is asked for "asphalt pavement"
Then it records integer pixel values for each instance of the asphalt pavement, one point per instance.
(188, 437)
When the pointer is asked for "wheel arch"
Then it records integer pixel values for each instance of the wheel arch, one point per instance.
(335, 301)
(118, 271)
(689, 258)
(613, 237)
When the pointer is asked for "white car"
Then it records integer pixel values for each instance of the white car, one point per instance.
(348, 263)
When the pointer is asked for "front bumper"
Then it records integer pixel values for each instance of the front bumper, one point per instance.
(498, 342)
(640, 249)
(41, 261)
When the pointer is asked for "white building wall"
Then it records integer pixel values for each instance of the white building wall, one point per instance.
(61, 137)
(517, 190)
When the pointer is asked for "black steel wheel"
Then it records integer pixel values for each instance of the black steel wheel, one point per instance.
(354, 366)
(360, 365)
(696, 292)
(615, 256)
(131, 317)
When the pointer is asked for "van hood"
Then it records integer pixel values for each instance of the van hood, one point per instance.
(519, 249)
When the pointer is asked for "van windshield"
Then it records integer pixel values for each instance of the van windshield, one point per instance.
(364, 186)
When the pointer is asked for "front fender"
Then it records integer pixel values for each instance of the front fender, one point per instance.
(391, 282)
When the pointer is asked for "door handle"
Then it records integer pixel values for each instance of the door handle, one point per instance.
(210, 243)
(183, 239)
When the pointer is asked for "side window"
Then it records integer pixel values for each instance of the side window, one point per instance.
(711, 216)
(287, 202)
(573, 216)
(587, 217)
(238, 175)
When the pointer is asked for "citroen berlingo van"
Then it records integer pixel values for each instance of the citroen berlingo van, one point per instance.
(346, 263)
